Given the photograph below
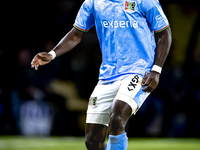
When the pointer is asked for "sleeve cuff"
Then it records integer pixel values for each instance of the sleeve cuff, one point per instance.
(80, 29)
(162, 29)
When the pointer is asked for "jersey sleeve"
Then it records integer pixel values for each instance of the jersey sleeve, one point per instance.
(85, 18)
(155, 15)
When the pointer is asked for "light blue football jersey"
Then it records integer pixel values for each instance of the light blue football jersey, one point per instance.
(125, 29)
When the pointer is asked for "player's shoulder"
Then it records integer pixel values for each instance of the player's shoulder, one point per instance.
(88, 1)
(88, 4)
(148, 4)
(150, 1)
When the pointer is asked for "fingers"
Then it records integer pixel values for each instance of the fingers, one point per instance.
(149, 83)
(36, 66)
(41, 59)
(145, 81)
(35, 63)
(150, 87)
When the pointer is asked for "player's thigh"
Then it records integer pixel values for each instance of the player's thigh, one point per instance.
(127, 101)
(130, 92)
(98, 111)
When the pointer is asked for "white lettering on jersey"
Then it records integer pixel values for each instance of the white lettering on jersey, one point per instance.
(119, 24)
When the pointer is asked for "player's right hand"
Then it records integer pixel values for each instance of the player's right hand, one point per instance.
(41, 59)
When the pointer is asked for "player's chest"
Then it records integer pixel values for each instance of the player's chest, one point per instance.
(117, 9)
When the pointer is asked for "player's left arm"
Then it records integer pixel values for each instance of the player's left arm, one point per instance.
(163, 42)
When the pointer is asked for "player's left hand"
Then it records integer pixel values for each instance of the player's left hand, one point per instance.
(150, 81)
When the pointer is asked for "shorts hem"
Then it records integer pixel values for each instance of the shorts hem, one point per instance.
(98, 118)
(129, 100)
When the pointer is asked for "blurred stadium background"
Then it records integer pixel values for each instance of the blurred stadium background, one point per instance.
(53, 100)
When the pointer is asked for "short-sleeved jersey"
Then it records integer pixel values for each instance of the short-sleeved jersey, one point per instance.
(125, 29)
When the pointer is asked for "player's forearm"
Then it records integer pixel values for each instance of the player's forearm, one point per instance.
(68, 42)
(163, 47)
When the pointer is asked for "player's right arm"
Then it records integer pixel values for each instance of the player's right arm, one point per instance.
(67, 43)
(84, 21)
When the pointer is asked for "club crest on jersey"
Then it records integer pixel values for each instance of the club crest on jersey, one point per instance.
(92, 101)
(130, 6)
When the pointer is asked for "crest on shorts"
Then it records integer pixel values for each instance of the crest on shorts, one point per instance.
(92, 101)
(130, 6)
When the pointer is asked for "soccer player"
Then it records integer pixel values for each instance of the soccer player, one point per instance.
(135, 39)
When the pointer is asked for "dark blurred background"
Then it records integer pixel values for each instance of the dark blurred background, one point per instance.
(53, 100)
